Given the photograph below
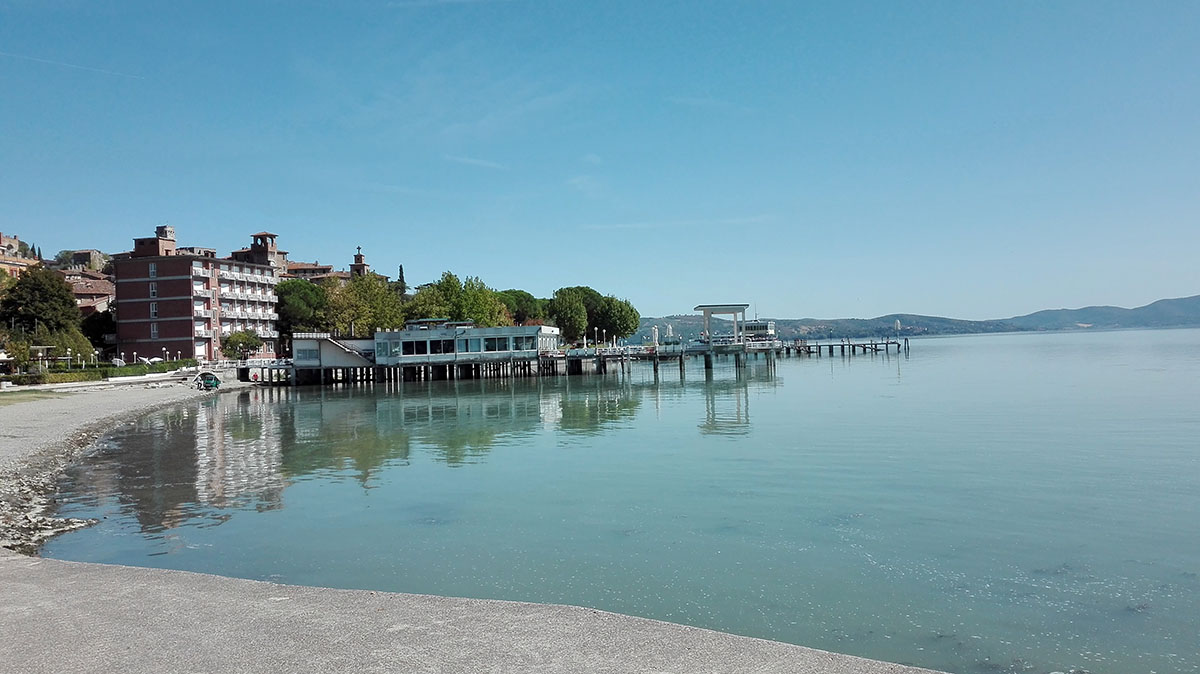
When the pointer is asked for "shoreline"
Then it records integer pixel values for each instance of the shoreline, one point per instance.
(134, 619)
(44, 430)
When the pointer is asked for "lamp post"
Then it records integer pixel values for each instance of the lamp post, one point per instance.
(596, 336)
(177, 355)
(164, 353)
(122, 356)
(605, 333)
(68, 358)
(95, 356)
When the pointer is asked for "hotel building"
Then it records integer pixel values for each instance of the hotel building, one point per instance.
(184, 301)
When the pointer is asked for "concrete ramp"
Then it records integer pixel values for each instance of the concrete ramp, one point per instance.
(71, 617)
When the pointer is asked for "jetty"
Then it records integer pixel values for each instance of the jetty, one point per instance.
(441, 349)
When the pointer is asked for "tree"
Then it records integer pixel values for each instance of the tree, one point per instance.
(522, 306)
(427, 303)
(63, 257)
(40, 296)
(569, 313)
(363, 305)
(480, 305)
(593, 302)
(300, 306)
(95, 326)
(401, 286)
(241, 344)
(617, 317)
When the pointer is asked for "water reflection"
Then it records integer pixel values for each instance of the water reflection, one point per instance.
(196, 464)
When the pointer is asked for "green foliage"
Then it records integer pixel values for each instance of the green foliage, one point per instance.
(63, 256)
(522, 306)
(469, 300)
(301, 306)
(569, 313)
(361, 306)
(95, 326)
(480, 304)
(241, 344)
(427, 303)
(400, 286)
(40, 297)
(618, 318)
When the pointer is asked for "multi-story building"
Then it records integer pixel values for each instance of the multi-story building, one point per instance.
(173, 303)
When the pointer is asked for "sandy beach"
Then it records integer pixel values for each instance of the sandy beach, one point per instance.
(45, 429)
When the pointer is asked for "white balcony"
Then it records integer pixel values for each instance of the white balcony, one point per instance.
(201, 272)
(203, 332)
(203, 313)
(201, 292)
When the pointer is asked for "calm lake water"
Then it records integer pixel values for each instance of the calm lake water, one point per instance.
(1013, 503)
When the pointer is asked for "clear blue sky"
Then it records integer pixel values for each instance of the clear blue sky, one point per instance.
(974, 160)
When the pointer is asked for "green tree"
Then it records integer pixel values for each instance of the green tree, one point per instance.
(361, 306)
(400, 285)
(95, 326)
(427, 303)
(593, 302)
(40, 297)
(241, 344)
(301, 306)
(618, 317)
(63, 257)
(481, 305)
(569, 313)
(522, 306)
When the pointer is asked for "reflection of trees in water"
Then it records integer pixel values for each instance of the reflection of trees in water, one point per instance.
(587, 410)
(240, 450)
(336, 433)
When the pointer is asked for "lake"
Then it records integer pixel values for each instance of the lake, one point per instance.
(1006, 503)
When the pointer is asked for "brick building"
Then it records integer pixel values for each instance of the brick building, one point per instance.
(172, 300)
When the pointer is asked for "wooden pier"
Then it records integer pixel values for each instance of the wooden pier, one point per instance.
(345, 365)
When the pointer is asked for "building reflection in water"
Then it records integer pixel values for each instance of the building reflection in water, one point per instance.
(197, 464)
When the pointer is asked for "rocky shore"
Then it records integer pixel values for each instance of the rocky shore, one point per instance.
(44, 430)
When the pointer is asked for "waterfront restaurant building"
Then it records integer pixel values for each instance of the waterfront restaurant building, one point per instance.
(178, 301)
(439, 341)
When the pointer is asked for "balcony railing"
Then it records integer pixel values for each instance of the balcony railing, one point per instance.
(203, 332)
(201, 292)
(201, 272)
(205, 313)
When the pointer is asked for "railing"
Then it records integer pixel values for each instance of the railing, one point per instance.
(201, 272)
(201, 292)
(205, 313)
(203, 332)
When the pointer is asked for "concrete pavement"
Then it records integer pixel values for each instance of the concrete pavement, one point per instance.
(60, 617)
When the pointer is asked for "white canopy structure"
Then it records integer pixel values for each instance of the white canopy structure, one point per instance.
(723, 310)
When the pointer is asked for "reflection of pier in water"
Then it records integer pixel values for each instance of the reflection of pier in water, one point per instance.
(199, 464)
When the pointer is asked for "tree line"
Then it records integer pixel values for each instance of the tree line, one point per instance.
(368, 303)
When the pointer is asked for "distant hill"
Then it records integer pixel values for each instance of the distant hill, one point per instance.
(1182, 312)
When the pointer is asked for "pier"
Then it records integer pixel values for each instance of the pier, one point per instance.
(521, 351)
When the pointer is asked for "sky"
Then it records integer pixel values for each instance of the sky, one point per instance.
(965, 159)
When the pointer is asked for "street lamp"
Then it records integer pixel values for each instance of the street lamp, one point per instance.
(68, 358)
(596, 336)
(605, 333)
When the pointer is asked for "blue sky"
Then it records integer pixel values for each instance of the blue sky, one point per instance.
(974, 160)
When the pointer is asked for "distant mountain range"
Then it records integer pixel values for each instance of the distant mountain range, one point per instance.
(1172, 313)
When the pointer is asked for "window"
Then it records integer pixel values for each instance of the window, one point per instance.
(154, 331)
(153, 270)
(397, 349)
(422, 348)
(462, 346)
(154, 310)
(409, 348)
(475, 345)
(447, 346)
(308, 354)
(153, 289)
(435, 346)
(495, 344)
